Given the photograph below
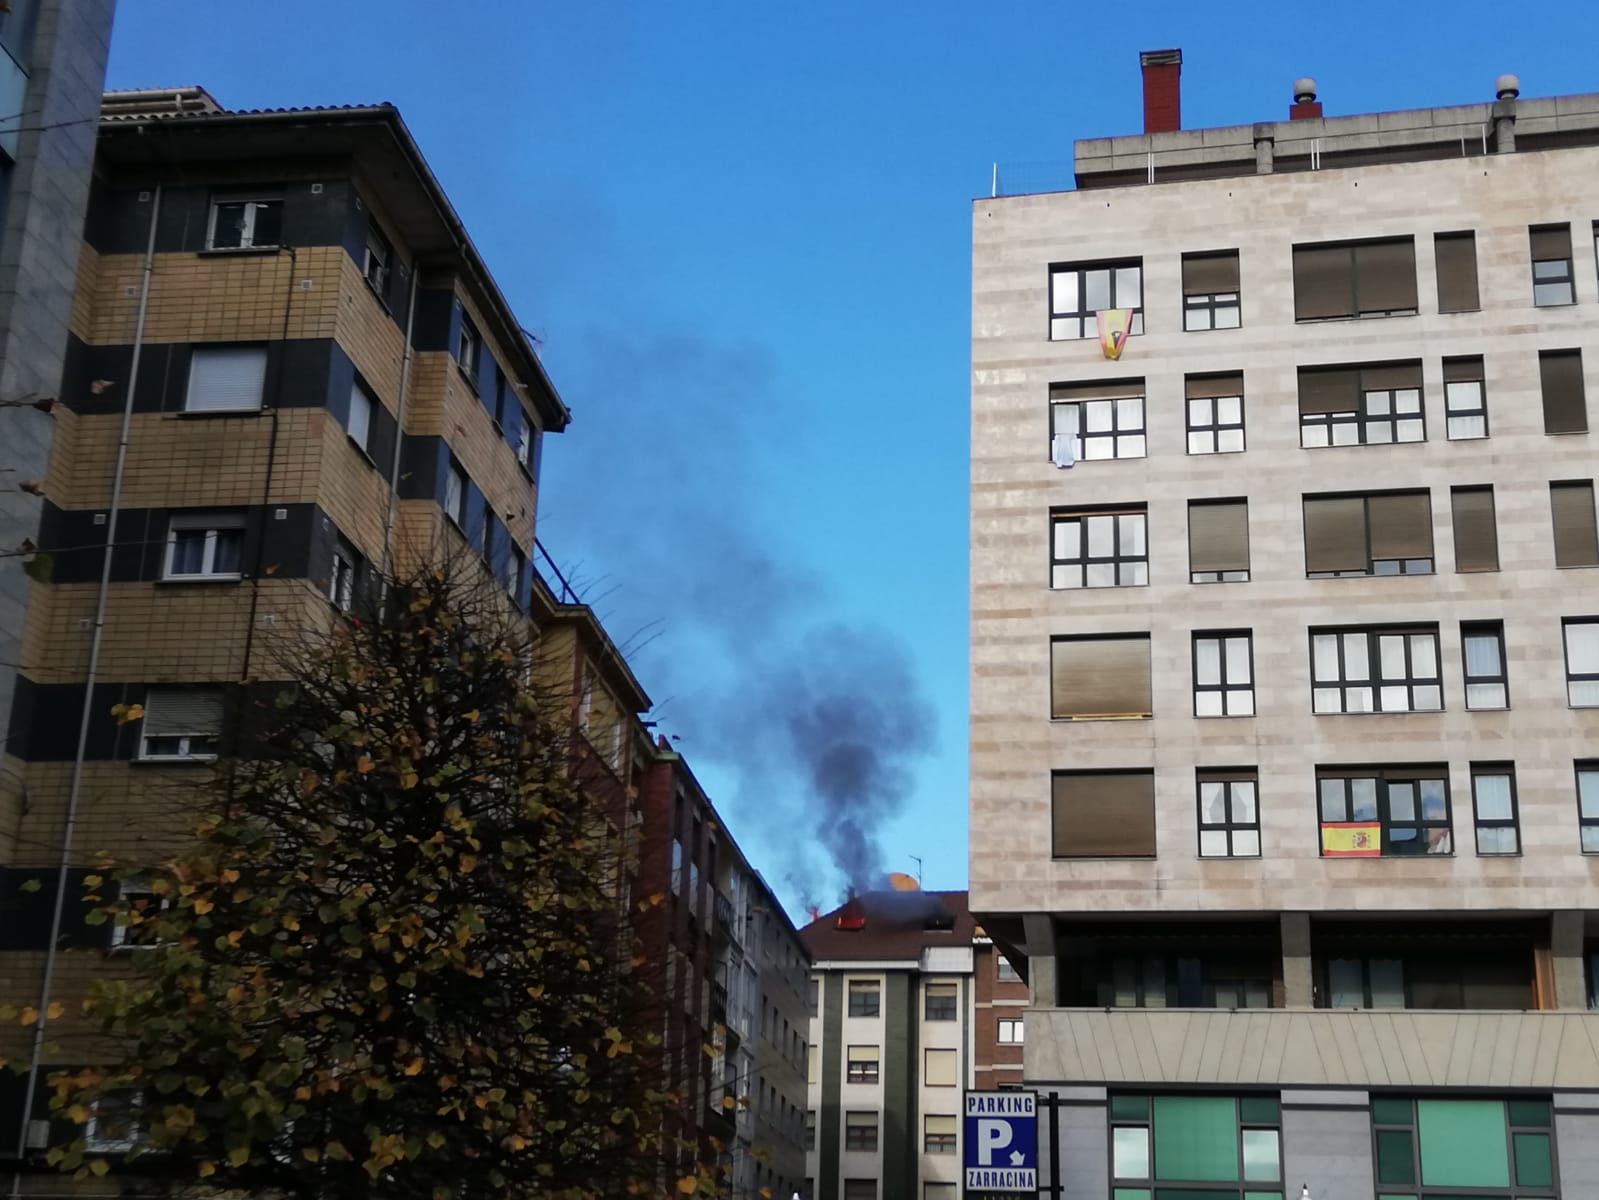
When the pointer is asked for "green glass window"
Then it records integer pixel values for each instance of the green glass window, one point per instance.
(1196, 1147)
(1465, 1149)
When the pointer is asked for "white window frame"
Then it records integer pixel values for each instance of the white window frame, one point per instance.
(212, 524)
(359, 429)
(469, 347)
(515, 561)
(252, 204)
(384, 264)
(524, 443)
(455, 496)
(341, 579)
(127, 890)
(185, 752)
(258, 352)
(121, 1145)
(1016, 1031)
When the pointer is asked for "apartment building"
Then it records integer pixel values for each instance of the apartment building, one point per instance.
(909, 1003)
(1285, 651)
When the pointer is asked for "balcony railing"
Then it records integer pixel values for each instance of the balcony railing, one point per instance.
(725, 922)
(1313, 1046)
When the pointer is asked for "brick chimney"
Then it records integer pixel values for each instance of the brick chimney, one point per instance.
(1305, 106)
(1163, 93)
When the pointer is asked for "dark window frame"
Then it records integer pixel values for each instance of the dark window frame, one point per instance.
(1383, 806)
(869, 993)
(859, 1070)
(1211, 303)
(1416, 1190)
(1223, 687)
(1576, 677)
(252, 203)
(1084, 560)
(1591, 549)
(1376, 681)
(1229, 826)
(1372, 564)
(1564, 274)
(1513, 822)
(1224, 1190)
(1456, 237)
(1357, 313)
(1324, 982)
(1114, 436)
(1215, 426)
(948, 1006)
(1463, 413)
(377, 262)
(1484, 629)
(469, 348)
(1081, 313)
(938, 1143)
(861, 1137)
(1579, 768)
(1364, 420)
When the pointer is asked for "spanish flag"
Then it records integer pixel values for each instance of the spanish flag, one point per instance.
(1351, 839)
(1113, 326)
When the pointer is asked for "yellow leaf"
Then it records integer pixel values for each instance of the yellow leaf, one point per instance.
(55, 1010)
(127, 712)
(688, 1185)
(229, 876)
(99, 1166)
(29, 1016)
(407, 779)
(467, 863)
(363, 764)
(203, 906)
(235, 936)
(414, 1067)
(239, 1155)
(309, 780)
(536, 990)
(471, 716)
(92, 881)
(312, 1154)
(290, 921)
(207, 1169)
(516, 1142)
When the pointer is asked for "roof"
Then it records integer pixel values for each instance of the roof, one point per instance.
(155, 128)
(894, 926)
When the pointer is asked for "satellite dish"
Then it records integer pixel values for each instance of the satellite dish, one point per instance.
(902, 882)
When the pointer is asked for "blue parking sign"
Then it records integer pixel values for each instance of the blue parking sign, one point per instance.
(1001, 1142)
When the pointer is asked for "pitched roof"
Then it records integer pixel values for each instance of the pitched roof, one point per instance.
(890, 926)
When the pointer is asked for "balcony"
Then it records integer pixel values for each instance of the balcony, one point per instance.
(1313, 1047)
(718, 1004)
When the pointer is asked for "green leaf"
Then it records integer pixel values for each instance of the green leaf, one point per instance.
(39, 567)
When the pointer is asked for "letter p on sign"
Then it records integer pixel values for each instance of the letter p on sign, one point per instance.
(993, 1135)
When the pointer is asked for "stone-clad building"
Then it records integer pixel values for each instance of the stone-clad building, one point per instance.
(1285, 651)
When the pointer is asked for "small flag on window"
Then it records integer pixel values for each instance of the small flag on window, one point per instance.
(1351, 839)
(1114, 324)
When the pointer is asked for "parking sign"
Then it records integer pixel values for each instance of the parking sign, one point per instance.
(1001, 1142)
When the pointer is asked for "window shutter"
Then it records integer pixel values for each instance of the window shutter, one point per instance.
(1103, 389)
(1456, 258)
(226, 378)
(1205, 387)
(1323, 282)
(1462, 370)
(1218, 535)
(171, 711)
(1335, 534)
(1401, 524)
(1576, 535)
(1476, 535)
(1565, 405)
(1328, 390)
(1550, 242)
(1208, 274)
(1379, 377)
(1385, 275)
(1104, 814)
(1101, 676)
(941, 1068)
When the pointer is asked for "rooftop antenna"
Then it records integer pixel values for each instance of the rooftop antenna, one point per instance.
(916, 858)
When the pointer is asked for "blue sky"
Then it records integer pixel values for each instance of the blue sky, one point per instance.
(742, 233)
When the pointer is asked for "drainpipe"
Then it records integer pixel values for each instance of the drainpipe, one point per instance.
(399, 430)
(75, 792)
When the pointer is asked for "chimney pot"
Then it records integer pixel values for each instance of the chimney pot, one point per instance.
(1304, 90)
(1163, 108)
(1507, 87)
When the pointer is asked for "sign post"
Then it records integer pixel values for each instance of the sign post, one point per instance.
(1001, 1142)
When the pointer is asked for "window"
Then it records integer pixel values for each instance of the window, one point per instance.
(1229, 814)
(1099, 547)
(860, 1131)
(524, 442)
(341, 578)
(226, 379)
(860, 1064)
(378, 260)
(813, 996)
(1455, 256)
(1218, 541)
(1366, 983)
(1582, 661)
(938, 1135)
(205, 546)
(1465, 399)
(1483, 646)
(1004, 971)
(939, 1068)
(930, 1191)
(139, 903)
(1493, 799)
(1476, 532)
(515, 564)
(1103, 814)
(1355, 279)
(810, 1128)
(359, 426)
(1096, 421)
(1100, 676)
(865, 998)
(1215, 413)
(181, 724)
(811, 1061)
(1230, 1146)
(1434, 1149)
(1552, 280)
(1078, 291)
(1576, 536)
(1180, 981)
(1588, 805)
(115, 1124)
(860, 1189)
(1387, 669)
(1224, 678)
(940, 1002)
(1210, 291)
(455, 495)
(1565, 403)
(1372, 812)
(244, 224)
(1380, 533)
(1010, 1033)
(469, 347)
(1361, 406)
